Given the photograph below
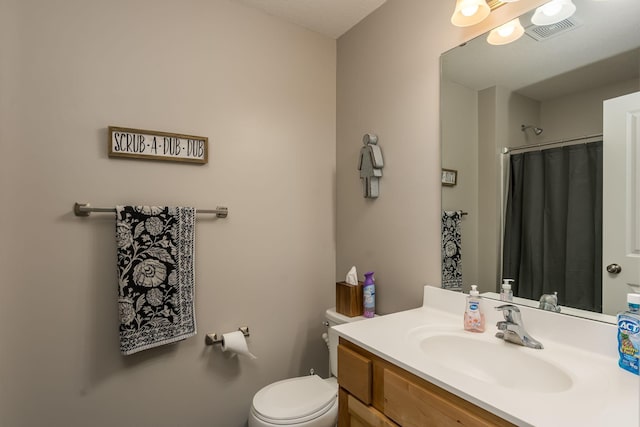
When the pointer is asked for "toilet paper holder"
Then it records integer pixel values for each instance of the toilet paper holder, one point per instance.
(211, 339)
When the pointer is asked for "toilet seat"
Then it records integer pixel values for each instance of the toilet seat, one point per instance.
(295, 400)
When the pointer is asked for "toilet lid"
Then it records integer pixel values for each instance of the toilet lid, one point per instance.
(295, 398)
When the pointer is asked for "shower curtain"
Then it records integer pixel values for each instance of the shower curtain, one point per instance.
(553, 225)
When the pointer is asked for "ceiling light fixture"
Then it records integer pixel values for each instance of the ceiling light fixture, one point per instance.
(469, 12)
(507, 33)
(553, 12)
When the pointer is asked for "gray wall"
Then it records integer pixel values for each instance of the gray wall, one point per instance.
(263, 91)
(579, 114)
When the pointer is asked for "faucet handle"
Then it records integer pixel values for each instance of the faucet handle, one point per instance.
(511, 313)
(508, 307)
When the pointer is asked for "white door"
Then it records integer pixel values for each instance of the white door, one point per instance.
(621, 201)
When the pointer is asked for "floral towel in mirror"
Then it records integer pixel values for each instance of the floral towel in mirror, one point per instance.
(451, 253)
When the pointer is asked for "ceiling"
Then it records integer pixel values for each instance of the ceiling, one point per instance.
(604, 29)
(601, 48)
(331, 18)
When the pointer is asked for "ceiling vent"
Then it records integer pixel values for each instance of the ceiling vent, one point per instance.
(546, 32)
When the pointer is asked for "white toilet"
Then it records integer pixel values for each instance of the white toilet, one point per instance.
(308, 401)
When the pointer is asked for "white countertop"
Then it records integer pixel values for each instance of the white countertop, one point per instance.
(600, 394)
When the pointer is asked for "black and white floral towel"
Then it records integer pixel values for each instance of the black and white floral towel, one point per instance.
(155, 275)
(451, 250)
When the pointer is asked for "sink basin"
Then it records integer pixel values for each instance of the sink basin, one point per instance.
(491, 360)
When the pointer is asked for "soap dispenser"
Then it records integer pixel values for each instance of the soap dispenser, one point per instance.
(473, 313)
(506, 294)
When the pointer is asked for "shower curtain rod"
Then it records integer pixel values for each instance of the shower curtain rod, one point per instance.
(84, 209)
(507, 150)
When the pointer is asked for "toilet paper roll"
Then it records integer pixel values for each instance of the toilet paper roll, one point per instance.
(235, 342)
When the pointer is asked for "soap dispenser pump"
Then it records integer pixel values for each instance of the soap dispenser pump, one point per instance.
(473, 313)
(506, 294)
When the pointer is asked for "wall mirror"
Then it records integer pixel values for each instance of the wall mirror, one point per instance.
(543, 94)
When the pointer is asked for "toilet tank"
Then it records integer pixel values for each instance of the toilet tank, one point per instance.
(334, 318)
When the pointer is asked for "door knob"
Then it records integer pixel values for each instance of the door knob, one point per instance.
(614, 268)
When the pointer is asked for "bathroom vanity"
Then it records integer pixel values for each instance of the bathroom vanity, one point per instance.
(419, 368)
(375, 392)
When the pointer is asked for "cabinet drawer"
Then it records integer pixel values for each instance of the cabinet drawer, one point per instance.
(354, 373)
(410, 404)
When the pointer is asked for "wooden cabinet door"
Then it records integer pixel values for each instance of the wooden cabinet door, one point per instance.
(361, 415)
(354, 373)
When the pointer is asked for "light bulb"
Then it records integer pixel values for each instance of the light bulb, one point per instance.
(469, 10)
(553, 12)
(507, 33)
(506, 30)
(552, 8)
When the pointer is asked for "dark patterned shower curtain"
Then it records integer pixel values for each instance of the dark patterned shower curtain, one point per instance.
(553, 225)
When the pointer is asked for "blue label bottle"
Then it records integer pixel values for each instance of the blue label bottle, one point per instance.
(629, 335)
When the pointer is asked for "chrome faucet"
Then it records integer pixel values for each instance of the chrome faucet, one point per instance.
(512, 329)
(549, 302)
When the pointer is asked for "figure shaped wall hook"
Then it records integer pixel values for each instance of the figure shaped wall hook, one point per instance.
(370, 166)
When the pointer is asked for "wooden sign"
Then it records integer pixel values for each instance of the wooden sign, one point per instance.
(149, 144)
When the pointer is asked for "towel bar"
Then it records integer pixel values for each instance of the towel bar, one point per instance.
(84, 209)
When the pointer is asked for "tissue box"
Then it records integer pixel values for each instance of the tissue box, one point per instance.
(349, 299)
